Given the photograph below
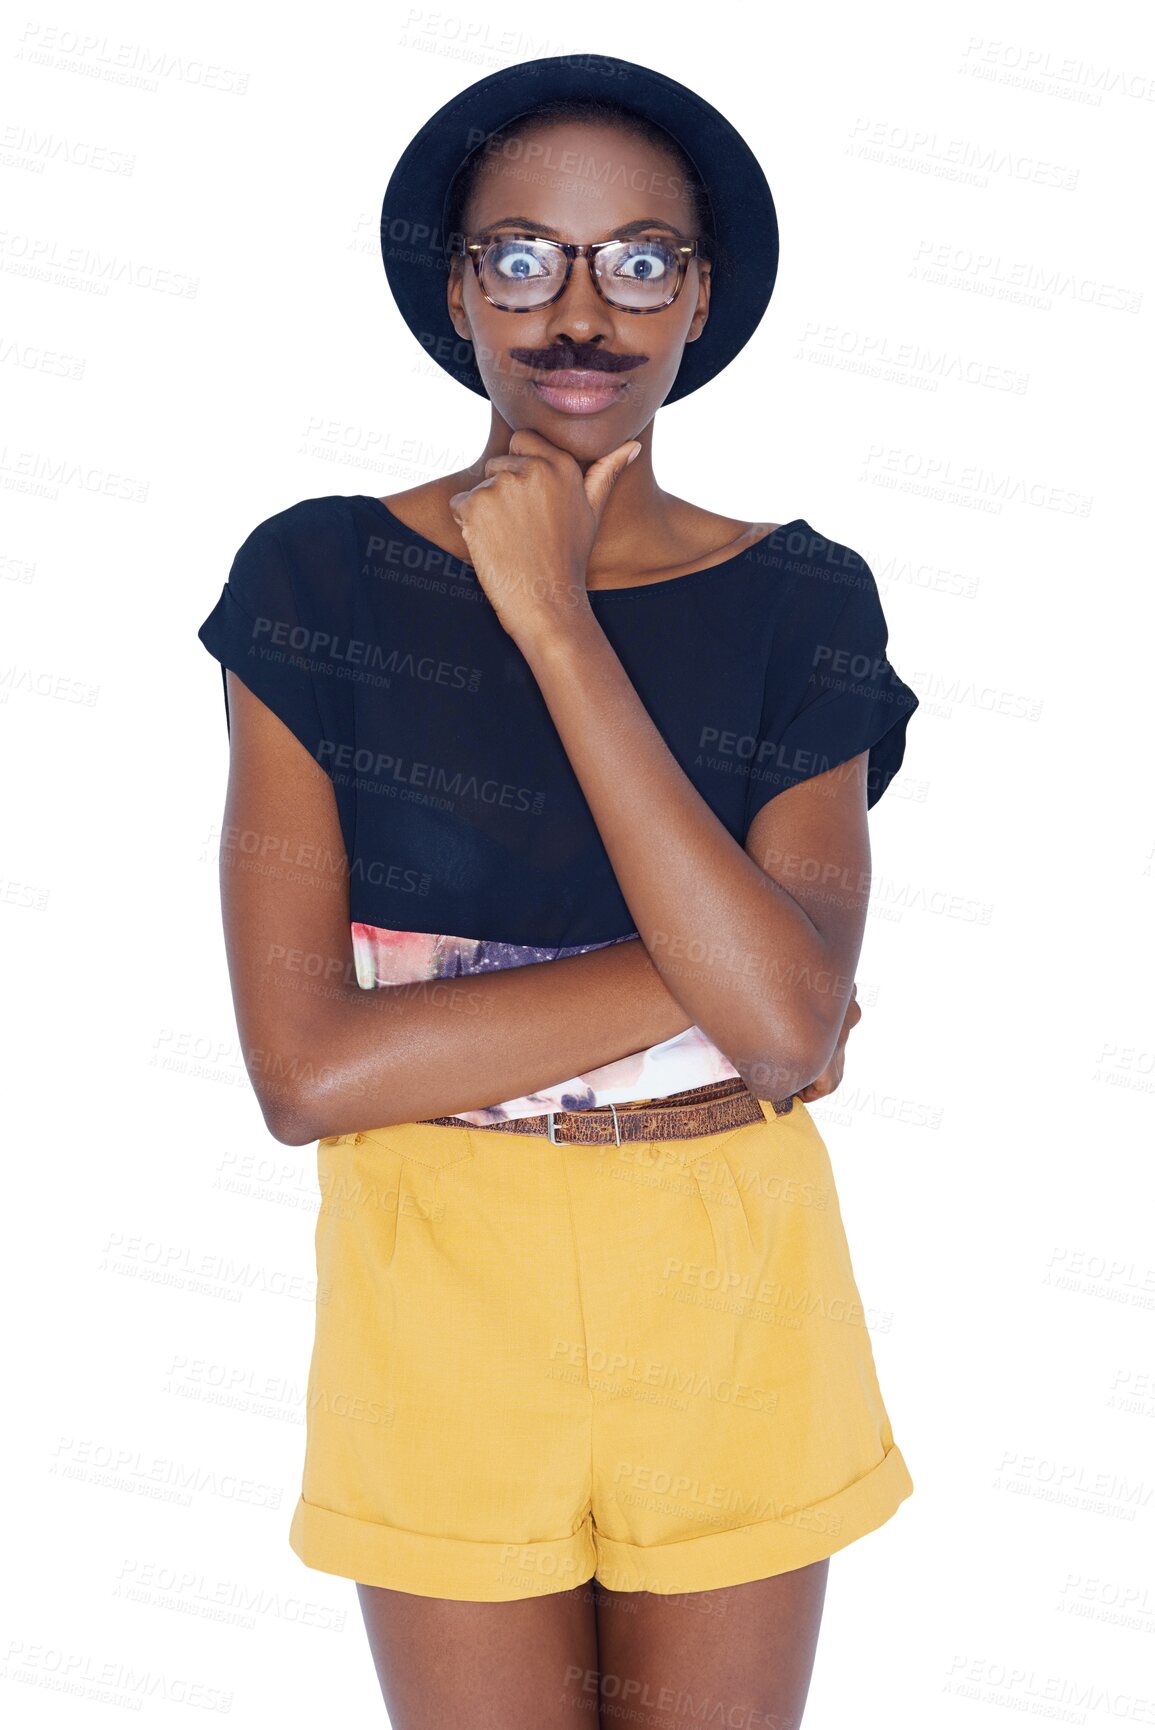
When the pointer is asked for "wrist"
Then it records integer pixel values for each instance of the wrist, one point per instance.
(563, 634)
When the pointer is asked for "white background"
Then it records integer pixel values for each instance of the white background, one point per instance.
(953, 378)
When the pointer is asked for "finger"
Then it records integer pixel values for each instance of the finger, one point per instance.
(601, 477)
(526, 442)
(459, 499)
(816, 1088)
(496, 464)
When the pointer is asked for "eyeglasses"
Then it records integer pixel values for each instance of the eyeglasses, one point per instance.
(522, 272)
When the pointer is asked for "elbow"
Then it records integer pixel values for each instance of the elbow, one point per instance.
(292, 1132)
(771, 1078)
(290, 1075)
(785, 1065)
(297, 1111)
(287, 1101)
(288, 1116)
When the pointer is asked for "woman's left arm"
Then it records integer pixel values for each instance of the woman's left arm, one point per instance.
(759, 944)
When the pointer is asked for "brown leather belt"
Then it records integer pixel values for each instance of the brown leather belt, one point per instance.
(720, 1105)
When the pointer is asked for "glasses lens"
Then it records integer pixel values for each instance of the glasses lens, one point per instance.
(638, 273)
(518, 273)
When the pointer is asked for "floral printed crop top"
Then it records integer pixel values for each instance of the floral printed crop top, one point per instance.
(689, 1059)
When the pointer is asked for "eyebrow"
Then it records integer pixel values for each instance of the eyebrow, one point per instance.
(543, 228)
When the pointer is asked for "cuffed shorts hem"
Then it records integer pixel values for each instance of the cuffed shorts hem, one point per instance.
(702, 1564)
(461, 1568)
(431, 1567)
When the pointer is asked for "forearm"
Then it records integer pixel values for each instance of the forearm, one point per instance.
(352, 1059)
(733, 946)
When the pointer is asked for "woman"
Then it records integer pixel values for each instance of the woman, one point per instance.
(583, 793)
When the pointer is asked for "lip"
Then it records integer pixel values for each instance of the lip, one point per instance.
(580, 390)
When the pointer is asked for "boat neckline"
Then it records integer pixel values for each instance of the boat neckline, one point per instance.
(624, 589)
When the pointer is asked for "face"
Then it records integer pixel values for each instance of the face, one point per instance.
(579, 182)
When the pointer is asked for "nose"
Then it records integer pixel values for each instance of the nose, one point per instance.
(580, 312)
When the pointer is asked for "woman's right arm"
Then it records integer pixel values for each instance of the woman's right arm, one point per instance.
(327, 1057)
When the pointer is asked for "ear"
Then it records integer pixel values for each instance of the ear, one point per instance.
(702, 309)
(455, 299)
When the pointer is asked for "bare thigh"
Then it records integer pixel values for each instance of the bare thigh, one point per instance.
(530, 1664)
(742, 1655)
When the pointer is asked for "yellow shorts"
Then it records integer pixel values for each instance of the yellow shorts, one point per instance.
(534, 1364)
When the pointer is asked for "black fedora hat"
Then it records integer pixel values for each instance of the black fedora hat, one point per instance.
(744, 249)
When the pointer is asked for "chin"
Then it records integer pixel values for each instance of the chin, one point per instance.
(585, 437)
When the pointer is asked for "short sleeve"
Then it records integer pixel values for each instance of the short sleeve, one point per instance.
(257, 632)
(831, 691)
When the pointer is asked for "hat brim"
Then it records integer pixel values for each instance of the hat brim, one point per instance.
(744, 258)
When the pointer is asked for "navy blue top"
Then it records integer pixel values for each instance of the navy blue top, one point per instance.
(459, 809)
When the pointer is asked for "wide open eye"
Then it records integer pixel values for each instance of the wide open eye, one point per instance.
(643, 261)
(513, 261)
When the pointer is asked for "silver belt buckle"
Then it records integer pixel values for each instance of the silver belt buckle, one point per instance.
(551, 1130)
